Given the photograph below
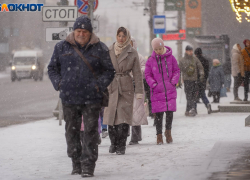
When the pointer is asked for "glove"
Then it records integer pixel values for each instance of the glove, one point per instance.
(139, 96)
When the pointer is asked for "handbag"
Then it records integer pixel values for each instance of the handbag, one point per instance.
(105, 100)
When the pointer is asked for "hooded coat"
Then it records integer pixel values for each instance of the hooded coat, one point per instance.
(162, 74)
(69, 74)
(121, 90)
(139, 114)
(216, 78)
(237, 62)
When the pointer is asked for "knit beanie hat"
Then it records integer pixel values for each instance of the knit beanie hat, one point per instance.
(245, 42)
(83, 22)
(157, 42)
(198, 51)
(189, 48)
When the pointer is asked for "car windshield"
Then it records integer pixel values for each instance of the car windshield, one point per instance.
(24, 60)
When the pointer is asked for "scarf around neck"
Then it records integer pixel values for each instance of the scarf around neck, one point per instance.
(120, 47)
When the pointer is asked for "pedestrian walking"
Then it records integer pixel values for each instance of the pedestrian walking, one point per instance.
(139, 114)
(202, 84)
(81, 92)
(246, 56)
(216, 80)
(162, 74)
(119, 114)
(237, 69)
(190, 67)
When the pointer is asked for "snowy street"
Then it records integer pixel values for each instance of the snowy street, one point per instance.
(37, 150)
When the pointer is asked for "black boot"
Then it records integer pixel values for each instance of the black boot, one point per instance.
(113, 139)
(76, 167)
(121, 150)
(122, 131)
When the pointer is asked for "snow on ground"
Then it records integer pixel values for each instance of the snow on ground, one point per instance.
(38, 150)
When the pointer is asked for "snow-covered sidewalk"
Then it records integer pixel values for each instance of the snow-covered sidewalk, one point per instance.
(38, 150)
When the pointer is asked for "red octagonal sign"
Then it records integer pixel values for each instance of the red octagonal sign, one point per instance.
(83, 6)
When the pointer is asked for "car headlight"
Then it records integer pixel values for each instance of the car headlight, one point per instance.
(13, 67)
(33, 67)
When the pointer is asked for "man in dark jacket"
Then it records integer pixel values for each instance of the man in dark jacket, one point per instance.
(190, 67)
(80, 91)
(202, 84)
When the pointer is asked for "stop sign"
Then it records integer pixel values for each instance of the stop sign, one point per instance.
(83, 6)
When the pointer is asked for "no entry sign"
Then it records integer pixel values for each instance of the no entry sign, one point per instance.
(83, 6)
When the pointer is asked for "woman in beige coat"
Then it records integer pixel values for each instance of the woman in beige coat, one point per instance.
(237, 69)
(139, 114)
(118, 115)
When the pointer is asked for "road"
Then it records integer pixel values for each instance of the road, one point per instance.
(25, 100)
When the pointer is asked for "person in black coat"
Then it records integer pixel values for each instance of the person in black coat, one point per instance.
(81, 92)
(201, 85)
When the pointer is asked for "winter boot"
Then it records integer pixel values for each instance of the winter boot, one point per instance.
(209, 109)
(228, 90)
(76, 167)
(104, 134)
(133, 142)
(169, 138)
(121, 150)
(159, 139)
(237, 99)
(192, 112)
(87, 174)
(186, 113)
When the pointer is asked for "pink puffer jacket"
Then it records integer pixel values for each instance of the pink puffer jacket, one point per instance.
(162, 74)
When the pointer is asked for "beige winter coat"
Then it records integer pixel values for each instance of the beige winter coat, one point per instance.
(121, 90)
(237, 63)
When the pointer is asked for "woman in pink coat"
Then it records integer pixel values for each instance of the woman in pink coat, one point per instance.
(162, 74)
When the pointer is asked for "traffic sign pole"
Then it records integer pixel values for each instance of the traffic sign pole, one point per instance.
(65, 23)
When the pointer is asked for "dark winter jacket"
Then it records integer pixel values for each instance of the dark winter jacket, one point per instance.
(205, 64)
(216, 78)
(69, 74)
(184, 65)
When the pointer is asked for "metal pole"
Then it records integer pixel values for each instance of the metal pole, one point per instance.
(91, 10)
(179, 43)
(60, 111)
(63, 3)
(152, 8)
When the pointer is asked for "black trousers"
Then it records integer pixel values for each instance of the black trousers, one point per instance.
(87, 151)
(159, 119)
(118, 134)
(216, 96)
(237, 82)
(147, 91)
(246, 84)
(136, 134)
(190, 90)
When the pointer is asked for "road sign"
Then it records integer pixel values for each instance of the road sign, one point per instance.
(181, 35)
(57, 34)
(59, 13)
(174, 5)
(83, 6)
(159, 24)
